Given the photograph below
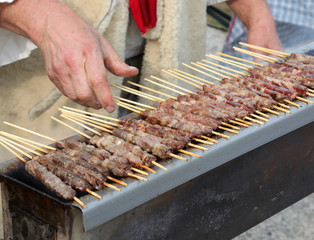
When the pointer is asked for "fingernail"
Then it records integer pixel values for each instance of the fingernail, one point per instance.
(133, 68)
(110, 108)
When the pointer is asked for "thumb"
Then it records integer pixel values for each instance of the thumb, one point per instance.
(115, 64)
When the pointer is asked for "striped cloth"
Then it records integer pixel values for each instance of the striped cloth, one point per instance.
(294, 23)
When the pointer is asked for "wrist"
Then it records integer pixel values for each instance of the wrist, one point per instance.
(27, 17)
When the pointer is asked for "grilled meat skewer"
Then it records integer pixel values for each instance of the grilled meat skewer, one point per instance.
(50, 180)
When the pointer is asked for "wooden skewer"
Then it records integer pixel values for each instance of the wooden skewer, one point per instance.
(310, 94)
(117, 181)
(92, 114)
(254, 120)
(96, 121)
(148, 169)
(310, 90)
(86, 121)
(171, 84)
(112, 186)
(129, 108)
(139, 171)
(220, 134)
(15, 148)
(74, 129)
(187, 77)
(282, 109)
(96, 195)
(243, 121)
(190, 153)
(162, 86)
(182, 79)
(11, 151)
(289, 102)
(271, 111)
(160, 166)
(136, 103)
(203, 141)
(229, 130)
(138, 177)
(240, 59)
(239, 123)
(260, 118)
(263, 114)
(186, 90)
(197, 70)
(28, 142)
(304, 100)
(133, 91)
(138, 93)
(188, 74)
(22, 146)
(209, 70)
(283, 105)
(82, 125)
(30, 131)
(257, 55)
(274, 52)
(224, 67)
(229, 125)
(198, 147)
(217, 69)
(79, 202)
(208, 138)
(127, 104)
(242, 66)
(177, 156)
(150, 89)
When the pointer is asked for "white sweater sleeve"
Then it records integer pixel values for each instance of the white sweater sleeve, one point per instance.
(13, 47)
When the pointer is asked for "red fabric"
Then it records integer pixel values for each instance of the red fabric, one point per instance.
(137, 15)
(144, 13)
(152, 9)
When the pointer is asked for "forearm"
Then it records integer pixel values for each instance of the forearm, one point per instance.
(28, 17)
(252, 13)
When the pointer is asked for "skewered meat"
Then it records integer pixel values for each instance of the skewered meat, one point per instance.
(50, 180)
(93, 178)
(299, 89)
(148, 143)
(197, 118)
(158, 130)
(67, 176)
(169, 120)
(289, 72)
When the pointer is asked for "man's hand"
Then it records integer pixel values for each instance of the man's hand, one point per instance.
(76, 55)
(258, 20)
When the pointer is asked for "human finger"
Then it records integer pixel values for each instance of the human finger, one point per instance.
(97, 77)
(114, 63)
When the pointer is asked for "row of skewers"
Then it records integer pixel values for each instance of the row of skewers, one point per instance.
(120, 148)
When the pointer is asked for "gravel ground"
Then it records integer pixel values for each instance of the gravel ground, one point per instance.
(295, 222)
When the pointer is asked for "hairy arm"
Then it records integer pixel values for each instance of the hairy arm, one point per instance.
(76, 55)
(257, 18)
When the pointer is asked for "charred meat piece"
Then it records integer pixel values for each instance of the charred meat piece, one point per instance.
(67, 176)
(50, 180)
(93, 178)
(158, 130)
(169, 120)
(148, 143)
